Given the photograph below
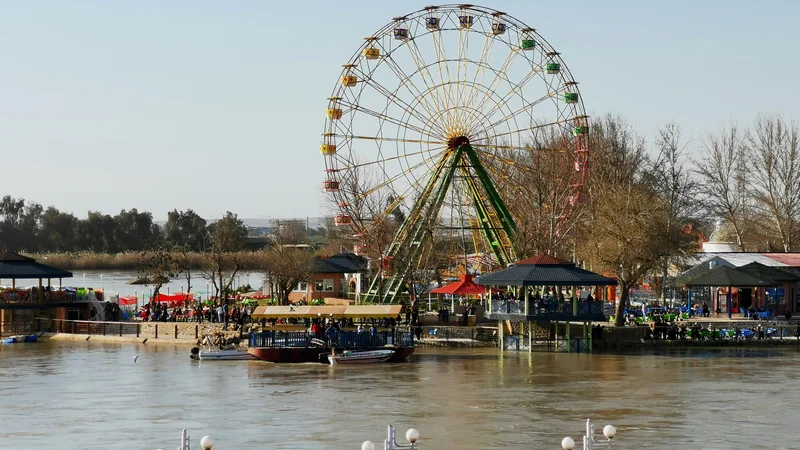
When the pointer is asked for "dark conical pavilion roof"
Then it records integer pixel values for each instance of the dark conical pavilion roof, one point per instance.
(15, 266)
(544, 270)
(731, 277)
(759, 270)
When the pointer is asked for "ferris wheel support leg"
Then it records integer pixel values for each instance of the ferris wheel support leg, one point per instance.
(411, 238)
(502, 247)
(484, 220)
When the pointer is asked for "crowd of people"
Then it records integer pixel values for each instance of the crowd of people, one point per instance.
(218, 312)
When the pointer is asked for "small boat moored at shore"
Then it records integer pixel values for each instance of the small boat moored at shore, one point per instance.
(215, 353)
(222, 355)
(361, 357)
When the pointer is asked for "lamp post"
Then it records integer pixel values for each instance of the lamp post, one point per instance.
(101, 282)
(207, 442)
(412, 436)
(589, 442)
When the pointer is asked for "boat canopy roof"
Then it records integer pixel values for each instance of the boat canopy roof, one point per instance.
(337, 312)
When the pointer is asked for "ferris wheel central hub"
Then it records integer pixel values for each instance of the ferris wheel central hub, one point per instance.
(457, 141)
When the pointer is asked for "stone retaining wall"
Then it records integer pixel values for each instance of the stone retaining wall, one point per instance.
(162, 331)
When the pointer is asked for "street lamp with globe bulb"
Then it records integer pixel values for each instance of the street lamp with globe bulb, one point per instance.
(367, 445)
(609, 432)
(207, 442)
(567, 443)
(412, 435)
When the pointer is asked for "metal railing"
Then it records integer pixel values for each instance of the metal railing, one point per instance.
(26, 297)
(447, 333)
(544, 308)
(732, 331)
(571, 345)
(341, 339)
(15, 327)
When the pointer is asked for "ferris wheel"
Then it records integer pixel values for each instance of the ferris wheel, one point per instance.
(441, 120)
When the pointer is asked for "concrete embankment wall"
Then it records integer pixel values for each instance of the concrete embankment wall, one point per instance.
(115, 339)
(140, 332)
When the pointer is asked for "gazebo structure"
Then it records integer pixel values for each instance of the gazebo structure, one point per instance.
(20, 302)
(543, 292)
(464, 287)
(751, 282)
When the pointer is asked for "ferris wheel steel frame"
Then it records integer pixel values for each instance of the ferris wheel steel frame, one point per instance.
(460, 126)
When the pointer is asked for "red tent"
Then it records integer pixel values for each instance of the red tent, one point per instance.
(176, 297)
(128, 300)
(465, 286)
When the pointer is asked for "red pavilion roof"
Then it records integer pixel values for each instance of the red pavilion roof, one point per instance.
(465, 286)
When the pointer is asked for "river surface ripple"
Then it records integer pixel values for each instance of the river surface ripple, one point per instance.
(93, 396)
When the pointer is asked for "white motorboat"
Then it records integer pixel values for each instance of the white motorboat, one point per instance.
(223, 354)
(360, 357)
(215, 353)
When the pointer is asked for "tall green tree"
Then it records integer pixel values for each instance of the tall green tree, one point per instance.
(59, 231)
(133, 230)
(19, 224)
(187, 230)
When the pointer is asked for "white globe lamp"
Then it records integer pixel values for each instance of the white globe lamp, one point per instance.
(207, 442)
(412, 435)
(367, 445)
(567, 443)
(609, 431)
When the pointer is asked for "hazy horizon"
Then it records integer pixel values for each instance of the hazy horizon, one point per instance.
(219, 106)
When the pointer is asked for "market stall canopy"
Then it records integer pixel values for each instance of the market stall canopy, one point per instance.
(176, 297)
(312, 312)
(544, 270)
(730, 277)
(297, 312)
(373, 311)
(252, 294)
(16, 266)
(128, 300)
(465, 286)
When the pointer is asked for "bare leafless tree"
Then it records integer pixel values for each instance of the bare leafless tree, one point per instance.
(677, 186)
(772, 146)
(284, 264)
(724, 182)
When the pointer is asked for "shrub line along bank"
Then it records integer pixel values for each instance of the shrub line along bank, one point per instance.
(131, 260)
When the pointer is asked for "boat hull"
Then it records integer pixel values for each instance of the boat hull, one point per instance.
(288, 354)
(365, 357)
(312, 354)
(401, 354)
(226, 355)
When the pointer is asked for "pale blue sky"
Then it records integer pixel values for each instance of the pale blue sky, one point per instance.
(218, 106)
